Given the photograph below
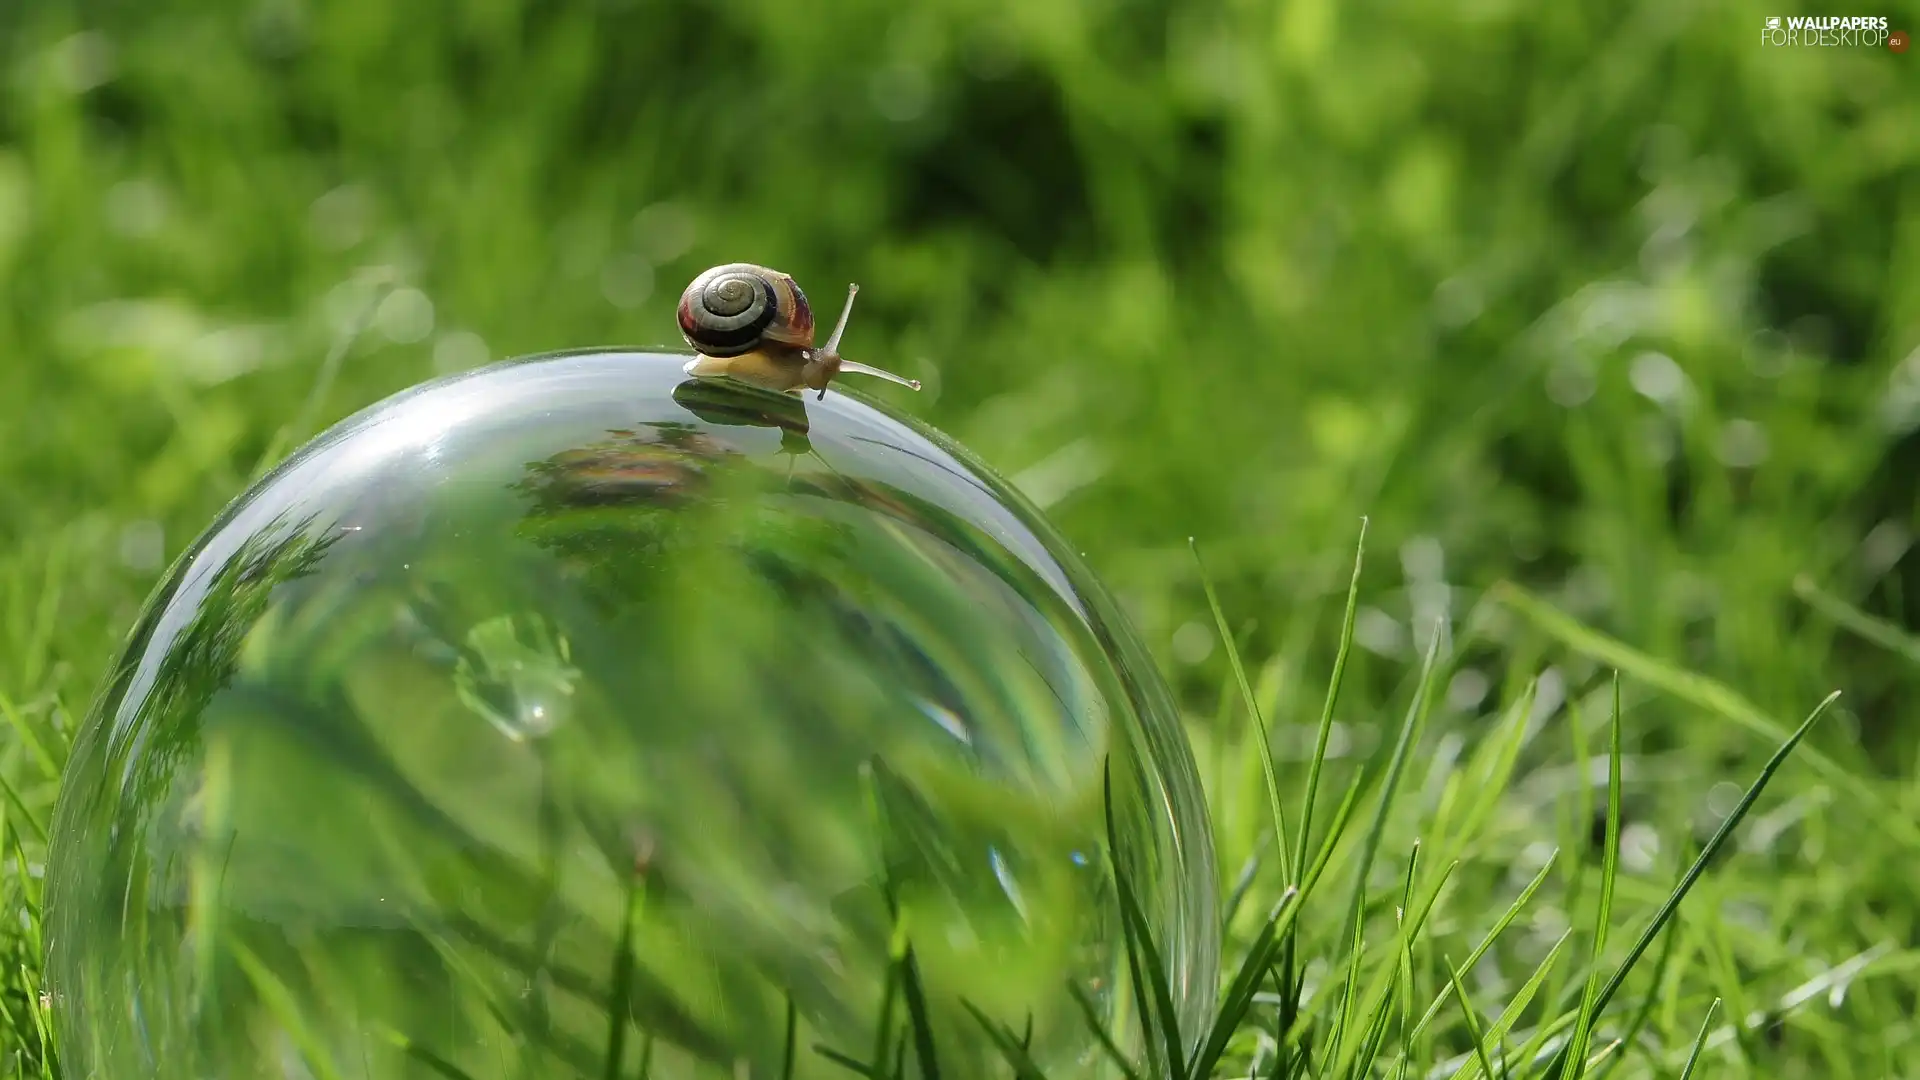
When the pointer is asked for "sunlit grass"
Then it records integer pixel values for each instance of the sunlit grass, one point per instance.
(1388, 1000)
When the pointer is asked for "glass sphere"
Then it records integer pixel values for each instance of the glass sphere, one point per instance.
(571, 707)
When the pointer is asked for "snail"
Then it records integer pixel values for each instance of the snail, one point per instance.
(754, 324)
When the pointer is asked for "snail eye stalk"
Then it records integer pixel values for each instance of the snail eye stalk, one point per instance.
(831, 350)
(839, 328)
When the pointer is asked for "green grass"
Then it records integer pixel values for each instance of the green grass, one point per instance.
(1601, 315)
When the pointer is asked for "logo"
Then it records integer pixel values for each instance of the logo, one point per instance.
(1829, 31)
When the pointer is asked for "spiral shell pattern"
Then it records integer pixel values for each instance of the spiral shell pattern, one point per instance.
(739, 307)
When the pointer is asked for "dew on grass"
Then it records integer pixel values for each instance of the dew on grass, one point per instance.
(394, 751)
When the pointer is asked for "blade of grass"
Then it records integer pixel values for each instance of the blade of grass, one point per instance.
(1472, 1017)
(1291, 977)
(1606, 1054)
(1645, 1013)
(1713, 847)
(1583, 808)
(1707, 694)
(1091, 1013)
(1704, 859)
(787, 1058)
(12, 1021)
(1408, 933)
(515, 1016)
(1290, 1019)
(1325, 733)
(1140, 941)
(663, 1013)
(901, 960)
(1867, 627)
(1243, 884)
(1371, 1042)
(1410, 727)
(1009, 1047)
(1523, 997)
(919, 1020)
(33, 657)
(1252, 702)
(426, 1057)
(1342, 817)
(620, 994)
(897, 944)
(1404, 963)
(1476, 795)
(858, 1068)
(1609, 873)
(1356, 951)
(1157, 1065)
(1357, 1060)
(280, 1003)
(29, 737)
(207, 867)
(323, 380)
(889, 995)
(1240, 992)
(39, 1005)
(20, 807)
(1492, 935)
(1578, 831)
(1700, 1041)
(1548, 1034)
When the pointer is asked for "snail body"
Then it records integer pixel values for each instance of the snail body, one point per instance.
(754, 324)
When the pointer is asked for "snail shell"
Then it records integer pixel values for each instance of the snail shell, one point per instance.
(738, 308)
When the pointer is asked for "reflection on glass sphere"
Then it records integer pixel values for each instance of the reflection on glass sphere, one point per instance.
(528, 663)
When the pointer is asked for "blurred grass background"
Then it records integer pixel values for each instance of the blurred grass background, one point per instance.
(1604, 299)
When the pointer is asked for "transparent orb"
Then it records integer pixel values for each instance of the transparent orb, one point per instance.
(571, 703)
